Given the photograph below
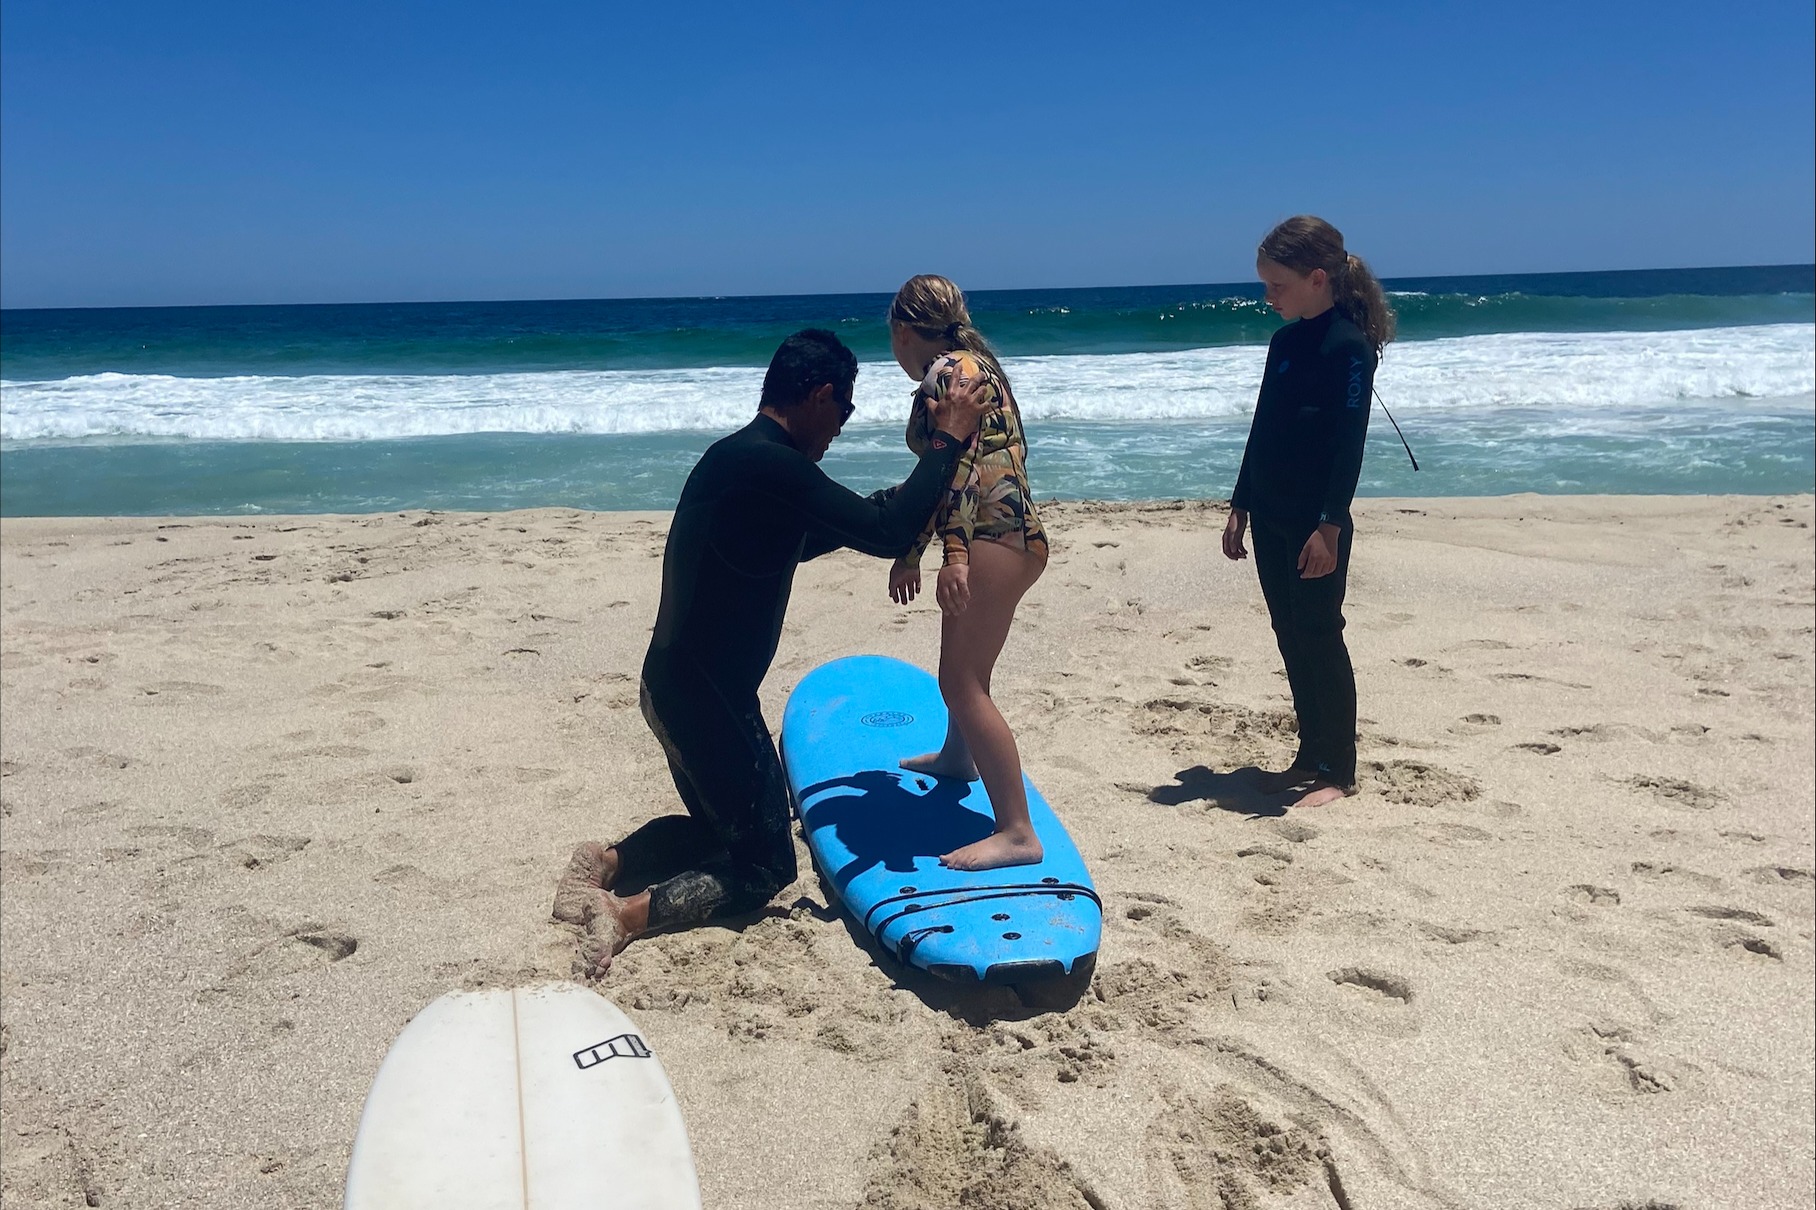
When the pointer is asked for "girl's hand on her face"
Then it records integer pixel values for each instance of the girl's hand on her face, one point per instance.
(1318, 557)
(1233, 530)
(954, 589)
(904, 583)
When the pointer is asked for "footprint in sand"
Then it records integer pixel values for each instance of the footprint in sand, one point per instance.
(1620, 1061)
(1219, 1150)
(1735, 914)
(262, 851)
(304, 948)
(238, 797)
(1594, 896)
(1293, 830)
(105, 760)
(1178, 716)
(1674, 792)
(363, 722)
(1745, 943)
(403, 875)
(1664, 871)
(1385, 984)
(1451, 934)
(1536, 678)
(1420, 785)
(195, 839)
(1179, 965)
(1782, 875)
(333, 751)
(191, 689)
(959, 1143)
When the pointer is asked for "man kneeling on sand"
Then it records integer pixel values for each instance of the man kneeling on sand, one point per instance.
(753, 508)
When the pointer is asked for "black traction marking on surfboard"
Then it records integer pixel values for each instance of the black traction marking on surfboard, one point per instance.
(976, 894)
(624, 1046)
(913, 937)
(909, 940)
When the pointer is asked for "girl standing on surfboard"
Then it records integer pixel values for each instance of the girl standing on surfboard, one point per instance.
(994, 549)
(1298, 477)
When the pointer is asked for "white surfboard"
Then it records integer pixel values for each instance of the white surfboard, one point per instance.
(534, 1098)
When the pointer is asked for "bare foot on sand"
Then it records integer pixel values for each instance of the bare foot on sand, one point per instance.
(1321, 792)
(941, 765)
(1285, 779)
(995, 851)
(614, 924)
(592, 869)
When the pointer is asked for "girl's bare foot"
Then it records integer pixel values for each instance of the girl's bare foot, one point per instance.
(995, 851)
(593, 868)
(1322, 792)
(941, 765)
(1286, 779)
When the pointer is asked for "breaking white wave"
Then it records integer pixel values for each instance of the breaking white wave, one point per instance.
(1574, 373)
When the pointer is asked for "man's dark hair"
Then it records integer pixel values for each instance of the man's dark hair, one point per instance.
(806, 361)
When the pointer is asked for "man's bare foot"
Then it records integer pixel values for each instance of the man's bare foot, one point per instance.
(995, 851)
(1322, 792)
(941, 765)
(1285, 779)
(593, 868)
(614, 924)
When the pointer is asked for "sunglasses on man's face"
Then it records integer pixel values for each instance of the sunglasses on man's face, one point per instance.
(845, 410)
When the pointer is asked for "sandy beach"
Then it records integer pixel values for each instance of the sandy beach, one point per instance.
(271, 785)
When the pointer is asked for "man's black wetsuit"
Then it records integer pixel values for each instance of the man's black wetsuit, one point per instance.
(752, 510)
(1299, 471)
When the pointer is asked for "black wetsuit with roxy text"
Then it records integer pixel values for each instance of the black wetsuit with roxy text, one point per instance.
(1299, 471)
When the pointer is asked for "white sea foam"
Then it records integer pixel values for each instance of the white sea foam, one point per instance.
(1573, 373)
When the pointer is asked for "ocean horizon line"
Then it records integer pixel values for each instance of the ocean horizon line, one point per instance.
(1393, 283)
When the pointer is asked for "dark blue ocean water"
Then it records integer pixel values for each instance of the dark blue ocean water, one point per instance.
(1645, 381)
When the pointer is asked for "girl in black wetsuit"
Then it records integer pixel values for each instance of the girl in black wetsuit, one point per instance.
(1298, 476)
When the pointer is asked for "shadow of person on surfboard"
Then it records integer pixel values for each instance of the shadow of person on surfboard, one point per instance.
(889, 823)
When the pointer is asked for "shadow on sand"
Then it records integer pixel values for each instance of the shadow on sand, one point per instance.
(1239, 791)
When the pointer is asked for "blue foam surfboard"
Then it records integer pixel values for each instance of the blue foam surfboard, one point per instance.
(877, 831)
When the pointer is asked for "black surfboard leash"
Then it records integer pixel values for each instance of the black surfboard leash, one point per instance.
(1396, 424)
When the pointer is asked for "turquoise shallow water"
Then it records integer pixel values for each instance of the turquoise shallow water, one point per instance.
(1767, 449)
(1668, 381)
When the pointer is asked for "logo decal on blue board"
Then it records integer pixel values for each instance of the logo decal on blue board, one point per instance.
(624, 1046)
(886, 718)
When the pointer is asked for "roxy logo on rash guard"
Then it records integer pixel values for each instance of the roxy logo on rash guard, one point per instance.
(1355, 383)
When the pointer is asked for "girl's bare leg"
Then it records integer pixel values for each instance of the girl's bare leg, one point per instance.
(969, 646)
(953, 758)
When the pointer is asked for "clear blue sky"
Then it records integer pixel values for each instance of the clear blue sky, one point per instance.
(258, 151)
